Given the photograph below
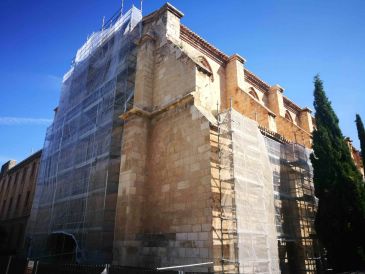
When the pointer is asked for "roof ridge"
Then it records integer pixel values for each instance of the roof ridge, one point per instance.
(265, 85)
(218, 55)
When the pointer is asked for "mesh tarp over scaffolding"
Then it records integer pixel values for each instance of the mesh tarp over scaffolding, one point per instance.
(248, 204)
(78, 180)
(295, 206)
(267, 199)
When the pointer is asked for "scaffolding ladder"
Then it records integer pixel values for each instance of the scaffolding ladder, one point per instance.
(227, 204)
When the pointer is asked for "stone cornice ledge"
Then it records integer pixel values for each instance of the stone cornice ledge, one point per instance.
(277, 136)
(199, 43)
(167, 7)
(137, 111)
(172, 9)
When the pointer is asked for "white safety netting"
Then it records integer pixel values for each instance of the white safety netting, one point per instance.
(254, 198)
(75, 199)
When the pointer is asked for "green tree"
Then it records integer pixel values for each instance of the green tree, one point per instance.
(361, 133)
(340, 222)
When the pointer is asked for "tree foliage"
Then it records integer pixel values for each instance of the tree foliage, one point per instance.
(340, 219)
(361, 134)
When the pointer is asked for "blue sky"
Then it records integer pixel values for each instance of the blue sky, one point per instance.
(284, 41)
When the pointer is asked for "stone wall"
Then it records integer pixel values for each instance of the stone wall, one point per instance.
(130, 202)
(210, 84)
(174, 75)
(164, 212)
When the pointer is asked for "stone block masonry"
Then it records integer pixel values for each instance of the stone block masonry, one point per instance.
(164, 217)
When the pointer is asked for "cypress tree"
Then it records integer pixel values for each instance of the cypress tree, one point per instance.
(340, 222)
(361, 133)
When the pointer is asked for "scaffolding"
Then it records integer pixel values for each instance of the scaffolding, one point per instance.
(227, 206)
(247, 240)
(78, 181)
(295, 206)
(247, 221)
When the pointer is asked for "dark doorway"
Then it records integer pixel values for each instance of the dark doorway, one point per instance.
(61, 248)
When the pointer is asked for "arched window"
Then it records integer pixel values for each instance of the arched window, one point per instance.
(203, 62)
(288, 116)
(253, 93)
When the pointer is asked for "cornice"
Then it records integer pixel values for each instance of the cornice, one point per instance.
(137, 111)
(24, 162)
(274, 135)
(167, 7)
(256, 81)
(291, 105)
(199, 43)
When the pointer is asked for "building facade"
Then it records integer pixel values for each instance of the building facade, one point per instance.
(17, 185)
(356, 156)
(165, 151)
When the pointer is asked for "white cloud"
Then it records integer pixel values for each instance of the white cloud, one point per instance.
(15, 121)
(36, 82)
